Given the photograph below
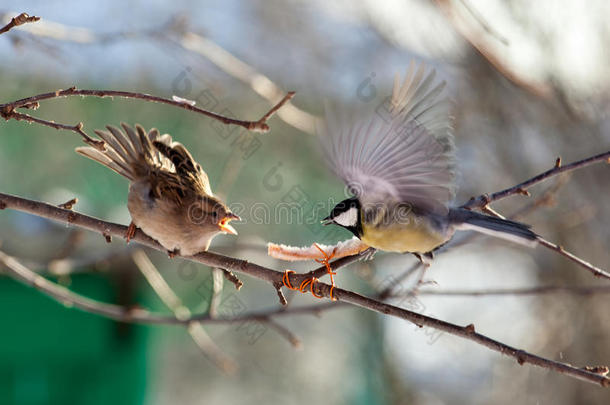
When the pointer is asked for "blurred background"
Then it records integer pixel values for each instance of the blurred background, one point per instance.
(529, 82)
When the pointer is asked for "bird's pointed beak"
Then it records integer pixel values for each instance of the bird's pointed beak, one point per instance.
(224, 223)
(327, 221)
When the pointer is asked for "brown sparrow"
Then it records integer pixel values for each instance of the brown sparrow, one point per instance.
(170, 198)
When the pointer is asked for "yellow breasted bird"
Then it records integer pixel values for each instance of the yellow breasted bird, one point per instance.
(398, 163)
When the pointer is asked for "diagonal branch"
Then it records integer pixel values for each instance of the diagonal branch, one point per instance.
(8, 113)
(477, 38)
(273, 277)
(245, 73)
(596, 271)
(72, 299)
(201, 338)
(521, 188)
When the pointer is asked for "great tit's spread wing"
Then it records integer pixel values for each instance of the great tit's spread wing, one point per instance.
(402, 151)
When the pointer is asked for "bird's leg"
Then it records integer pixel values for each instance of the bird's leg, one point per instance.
(131, 231)
(420, 257)
(369, 254)
(172, 253)
(426, 264)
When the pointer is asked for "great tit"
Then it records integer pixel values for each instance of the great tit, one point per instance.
(170, 197)
(398, 162)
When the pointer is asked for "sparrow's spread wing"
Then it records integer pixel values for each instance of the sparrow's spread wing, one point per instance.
(400, 152)
(183, 164)
(166, 165)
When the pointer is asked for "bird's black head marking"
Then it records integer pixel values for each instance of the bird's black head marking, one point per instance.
(347, 215)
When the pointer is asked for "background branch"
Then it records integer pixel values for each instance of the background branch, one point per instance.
(478, 39)
(201, 338)
(177, 34)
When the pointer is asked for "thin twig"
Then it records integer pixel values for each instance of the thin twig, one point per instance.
(280, 294)
(68, 205)
(159, 285)
(488, 28)
(274, 277)
(21, 19)
(232, 278)
(279, 105)
(293, 339)
(245, 73)
(195, 43)
(596, 271)
(521, 188)
(7, 110)
(546, 198)
(71, 299)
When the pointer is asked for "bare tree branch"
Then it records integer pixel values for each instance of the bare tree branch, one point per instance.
(521, 188)
(71, 299)
(273, 277)
(21, 19)
(7, 113)
(177, 35)
(596, 271)
(182, 316)
(283, 331)
(7, 110)
(245, 73)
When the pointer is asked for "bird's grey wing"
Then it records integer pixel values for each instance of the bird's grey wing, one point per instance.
(400, 152)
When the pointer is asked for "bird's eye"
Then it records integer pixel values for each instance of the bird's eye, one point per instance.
(215, 215)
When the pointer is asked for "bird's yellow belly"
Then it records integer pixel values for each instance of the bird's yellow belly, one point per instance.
(412, 237)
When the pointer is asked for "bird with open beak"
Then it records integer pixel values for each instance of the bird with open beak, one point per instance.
(170, 198)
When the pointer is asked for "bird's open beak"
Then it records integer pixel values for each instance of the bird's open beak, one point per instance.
(327, 221)
(224, 224)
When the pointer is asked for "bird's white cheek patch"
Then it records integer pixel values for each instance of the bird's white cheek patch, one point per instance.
(347, 218)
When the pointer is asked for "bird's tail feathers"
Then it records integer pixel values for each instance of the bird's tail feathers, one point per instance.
(513, 231)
